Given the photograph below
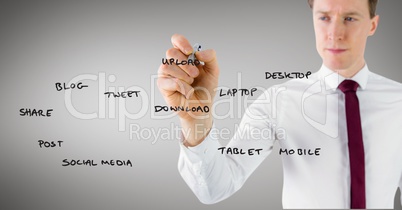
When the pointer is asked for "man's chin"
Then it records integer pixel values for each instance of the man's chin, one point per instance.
(337, 65)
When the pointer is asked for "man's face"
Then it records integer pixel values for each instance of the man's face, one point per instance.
(341, 30)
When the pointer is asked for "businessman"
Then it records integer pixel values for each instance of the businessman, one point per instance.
(342, 146)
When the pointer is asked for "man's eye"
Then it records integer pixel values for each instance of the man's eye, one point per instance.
(323, 18)
(350, 19)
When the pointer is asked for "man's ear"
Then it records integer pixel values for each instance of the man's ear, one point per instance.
(374, 24)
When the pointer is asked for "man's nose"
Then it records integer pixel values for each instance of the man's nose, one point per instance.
(336, 30)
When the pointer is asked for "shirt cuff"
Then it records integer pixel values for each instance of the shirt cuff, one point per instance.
(203, 152)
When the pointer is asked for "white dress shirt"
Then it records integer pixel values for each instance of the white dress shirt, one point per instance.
(308, 114)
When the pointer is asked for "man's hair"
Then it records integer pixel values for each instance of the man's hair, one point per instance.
(372, 6)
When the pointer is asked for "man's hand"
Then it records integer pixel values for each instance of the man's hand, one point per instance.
(190, 86)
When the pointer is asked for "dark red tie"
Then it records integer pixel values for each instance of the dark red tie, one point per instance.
(355, 144)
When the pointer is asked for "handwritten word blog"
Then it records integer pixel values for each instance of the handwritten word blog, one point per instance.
(233, 92)
(287, 75)
(237, 151)
(64, 86)
(173, 61)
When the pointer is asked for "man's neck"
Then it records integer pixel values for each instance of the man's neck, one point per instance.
(350, 72)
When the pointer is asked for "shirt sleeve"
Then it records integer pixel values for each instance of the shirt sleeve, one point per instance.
(213, 173)
(400, 188)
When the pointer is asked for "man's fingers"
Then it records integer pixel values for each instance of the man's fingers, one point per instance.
(180, 42)
(210, 61)
(170, 85)
(176, 54)
(175, 72)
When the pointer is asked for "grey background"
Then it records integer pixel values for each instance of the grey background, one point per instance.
(44, 42)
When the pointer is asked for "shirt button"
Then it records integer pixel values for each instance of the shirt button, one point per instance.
(196, 170)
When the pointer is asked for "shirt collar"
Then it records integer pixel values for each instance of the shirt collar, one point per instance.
(332, 79)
